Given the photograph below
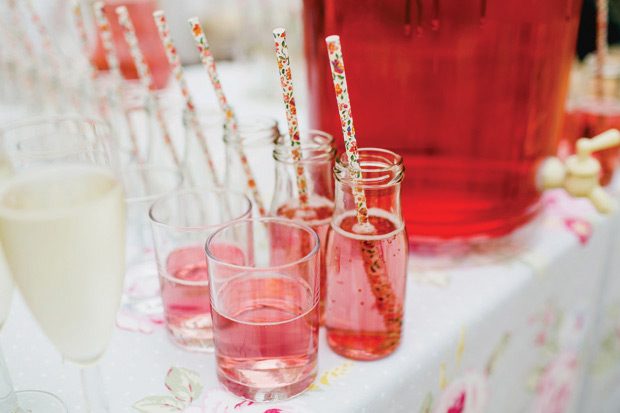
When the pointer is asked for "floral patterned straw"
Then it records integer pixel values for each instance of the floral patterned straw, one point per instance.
(286, 81)
(231, 124)
(177, 69)
(374, 262)
(79, 25)
(144, 73)
(346, 119)
(602, 10)
(45, 38)
(111, 58)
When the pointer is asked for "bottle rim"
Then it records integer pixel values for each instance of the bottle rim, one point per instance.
(320, 144)
(254, 131)
(380, 168)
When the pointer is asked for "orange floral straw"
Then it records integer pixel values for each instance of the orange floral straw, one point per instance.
(144, 73)
(286, 81)
(374, 262)
(114, 66)
(177, 69)
(602, 11)
(230, 122)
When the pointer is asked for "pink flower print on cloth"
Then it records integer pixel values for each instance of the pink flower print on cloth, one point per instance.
(556, 386)
(467, 394)
(218, 400)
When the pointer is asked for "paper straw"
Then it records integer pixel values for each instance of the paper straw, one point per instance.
(19, 29)
(48, 48)
(286, 81)
(374, 262)
(231, 124)
(111, 58)
(79, 25)
(346, 119)
(602, 10)
(144, 73)
(177, 69)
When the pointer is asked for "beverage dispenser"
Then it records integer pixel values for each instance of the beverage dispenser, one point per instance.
(470, 93)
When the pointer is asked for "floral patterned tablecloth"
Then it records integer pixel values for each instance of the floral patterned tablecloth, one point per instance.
(519, 335)
(536, 332)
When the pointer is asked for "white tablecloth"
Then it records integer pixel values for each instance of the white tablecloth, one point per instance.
(536, 332)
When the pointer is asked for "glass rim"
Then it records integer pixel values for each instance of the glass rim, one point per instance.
(248, 126)
(198, 191)
(282, 151)
(395, 167)
(41, 119)
(144, 167)
(280, 221)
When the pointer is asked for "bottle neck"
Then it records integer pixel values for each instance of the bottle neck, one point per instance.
(382, 174)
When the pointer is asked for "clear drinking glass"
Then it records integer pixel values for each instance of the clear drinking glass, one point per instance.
(318, 153)
(255, 138)
(62, 226)
(265, 307)
(181, 224)
(144, 184)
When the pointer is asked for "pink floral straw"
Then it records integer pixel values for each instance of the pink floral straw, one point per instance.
(45, 38)
(79, 25)
(374, 262)
(177, 69)
(105, 33)
(144, 73)
(230, 122)
(348, 131)
(286, 81)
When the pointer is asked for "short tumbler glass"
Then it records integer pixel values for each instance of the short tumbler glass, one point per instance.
(265, 307)
(181, 223)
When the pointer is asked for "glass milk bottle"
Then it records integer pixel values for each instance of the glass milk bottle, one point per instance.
(366, 271)
(253, 141)
(318, 153)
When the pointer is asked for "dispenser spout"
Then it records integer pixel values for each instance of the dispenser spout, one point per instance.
(579, 174)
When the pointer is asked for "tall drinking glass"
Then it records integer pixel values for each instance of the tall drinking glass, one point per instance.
(62, 226)
(265, 307)
(181, 223)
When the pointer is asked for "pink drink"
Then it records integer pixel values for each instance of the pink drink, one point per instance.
(317, 218)
(185, 294)
(356, 328)
(266, 346)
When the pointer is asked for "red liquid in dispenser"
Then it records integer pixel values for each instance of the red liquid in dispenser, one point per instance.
(141, 13)
(470, 93)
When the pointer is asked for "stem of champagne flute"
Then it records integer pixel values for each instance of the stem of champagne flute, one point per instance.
(92, 385)
(8, 401)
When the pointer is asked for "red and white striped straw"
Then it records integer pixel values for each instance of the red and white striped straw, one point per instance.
(231, 124)
(177, 69)
(286, 81)
(144, 73)
(105, 33)
(602, 11)
(346, 119)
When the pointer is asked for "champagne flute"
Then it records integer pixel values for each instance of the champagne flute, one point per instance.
(62, 225)
(34, 401)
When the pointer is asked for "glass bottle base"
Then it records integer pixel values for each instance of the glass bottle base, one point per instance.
(362, 346)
